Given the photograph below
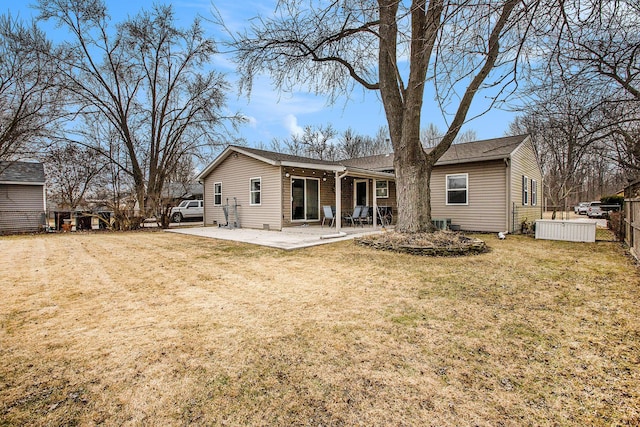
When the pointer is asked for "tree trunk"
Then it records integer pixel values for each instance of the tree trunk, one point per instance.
(413, 178)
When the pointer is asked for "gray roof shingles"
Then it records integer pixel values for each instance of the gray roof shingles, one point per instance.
(488, 149)
(272, 155)
(27, 172)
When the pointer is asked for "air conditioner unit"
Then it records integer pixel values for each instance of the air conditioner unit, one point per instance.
(441, 223)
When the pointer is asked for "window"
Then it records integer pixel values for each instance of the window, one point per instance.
(457, 189)
(254, 191)
(382, 189)
(217, 193)
(534, 192)
(525, 190)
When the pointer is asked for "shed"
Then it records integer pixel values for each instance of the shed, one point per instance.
(22, 197)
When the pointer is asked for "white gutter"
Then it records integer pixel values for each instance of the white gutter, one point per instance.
(317, 166)
(21, 183)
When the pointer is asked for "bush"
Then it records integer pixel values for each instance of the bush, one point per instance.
(616, 225)
(612, 200)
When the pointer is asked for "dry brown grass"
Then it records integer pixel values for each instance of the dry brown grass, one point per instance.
(165, 329)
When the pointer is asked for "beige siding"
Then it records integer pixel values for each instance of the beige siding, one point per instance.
(485, 210)
(524, 163)
(235, 173)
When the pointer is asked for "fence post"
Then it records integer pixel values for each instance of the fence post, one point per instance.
(632, 227)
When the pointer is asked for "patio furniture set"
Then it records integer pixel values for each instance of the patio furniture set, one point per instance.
(361, 215)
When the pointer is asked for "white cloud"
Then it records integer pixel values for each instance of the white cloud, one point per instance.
(291, 123)
(251, 121)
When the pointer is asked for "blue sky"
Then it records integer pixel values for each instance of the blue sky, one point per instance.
(277, 115)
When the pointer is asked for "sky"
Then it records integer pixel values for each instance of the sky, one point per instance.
(279, 115)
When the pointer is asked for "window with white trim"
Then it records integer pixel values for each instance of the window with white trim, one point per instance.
(457, 189)
(217, 193)
(255, 188)
(525, 190)
(534, 192)
(382, 189)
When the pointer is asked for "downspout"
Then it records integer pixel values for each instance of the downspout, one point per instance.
(507, 179)
(281, 192)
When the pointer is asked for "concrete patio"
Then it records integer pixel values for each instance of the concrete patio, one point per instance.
(289, 238)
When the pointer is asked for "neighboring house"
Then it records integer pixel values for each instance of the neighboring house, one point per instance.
(22, 197)
(632, 191)
(175, 192)
(492, 185)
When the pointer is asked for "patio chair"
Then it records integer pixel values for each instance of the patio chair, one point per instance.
(364, 216)
(328, 214)
(354, 216)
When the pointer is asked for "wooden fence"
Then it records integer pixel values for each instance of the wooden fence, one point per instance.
(632, 225)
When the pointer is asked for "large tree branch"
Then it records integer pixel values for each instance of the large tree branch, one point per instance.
(476, 82)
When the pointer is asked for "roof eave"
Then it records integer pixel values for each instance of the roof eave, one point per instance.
(474, 160)
(226, 153)
(318, 166)
(22, 183)
(368, 173)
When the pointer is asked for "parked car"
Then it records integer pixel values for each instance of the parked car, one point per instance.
(187, 209)
(581, 208)
(598, 210)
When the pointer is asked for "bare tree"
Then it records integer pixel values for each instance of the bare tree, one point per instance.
(30, 102)
(468, 135)
(145, 80)
(316, 142)
(626, 148)
(352, 145)
(571, 132)
(431, 136)
(598, 44)
(71, 171)
(595, 51)
(396, 48)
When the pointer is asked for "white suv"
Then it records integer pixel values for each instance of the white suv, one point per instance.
(187, 209)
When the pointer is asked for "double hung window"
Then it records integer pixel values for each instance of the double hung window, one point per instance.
(217, 194)
(255, 191)
(458, 189)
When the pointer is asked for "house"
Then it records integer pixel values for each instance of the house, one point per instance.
(175, 192)
(491, 185)
(22, 197)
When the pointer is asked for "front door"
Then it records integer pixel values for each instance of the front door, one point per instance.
(305, 199)
(361, 190)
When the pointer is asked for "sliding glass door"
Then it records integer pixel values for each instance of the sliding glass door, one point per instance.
(305, 199)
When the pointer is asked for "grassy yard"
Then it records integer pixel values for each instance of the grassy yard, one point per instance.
(154, 328)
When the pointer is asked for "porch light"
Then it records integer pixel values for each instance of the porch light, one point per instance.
(287, 175)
